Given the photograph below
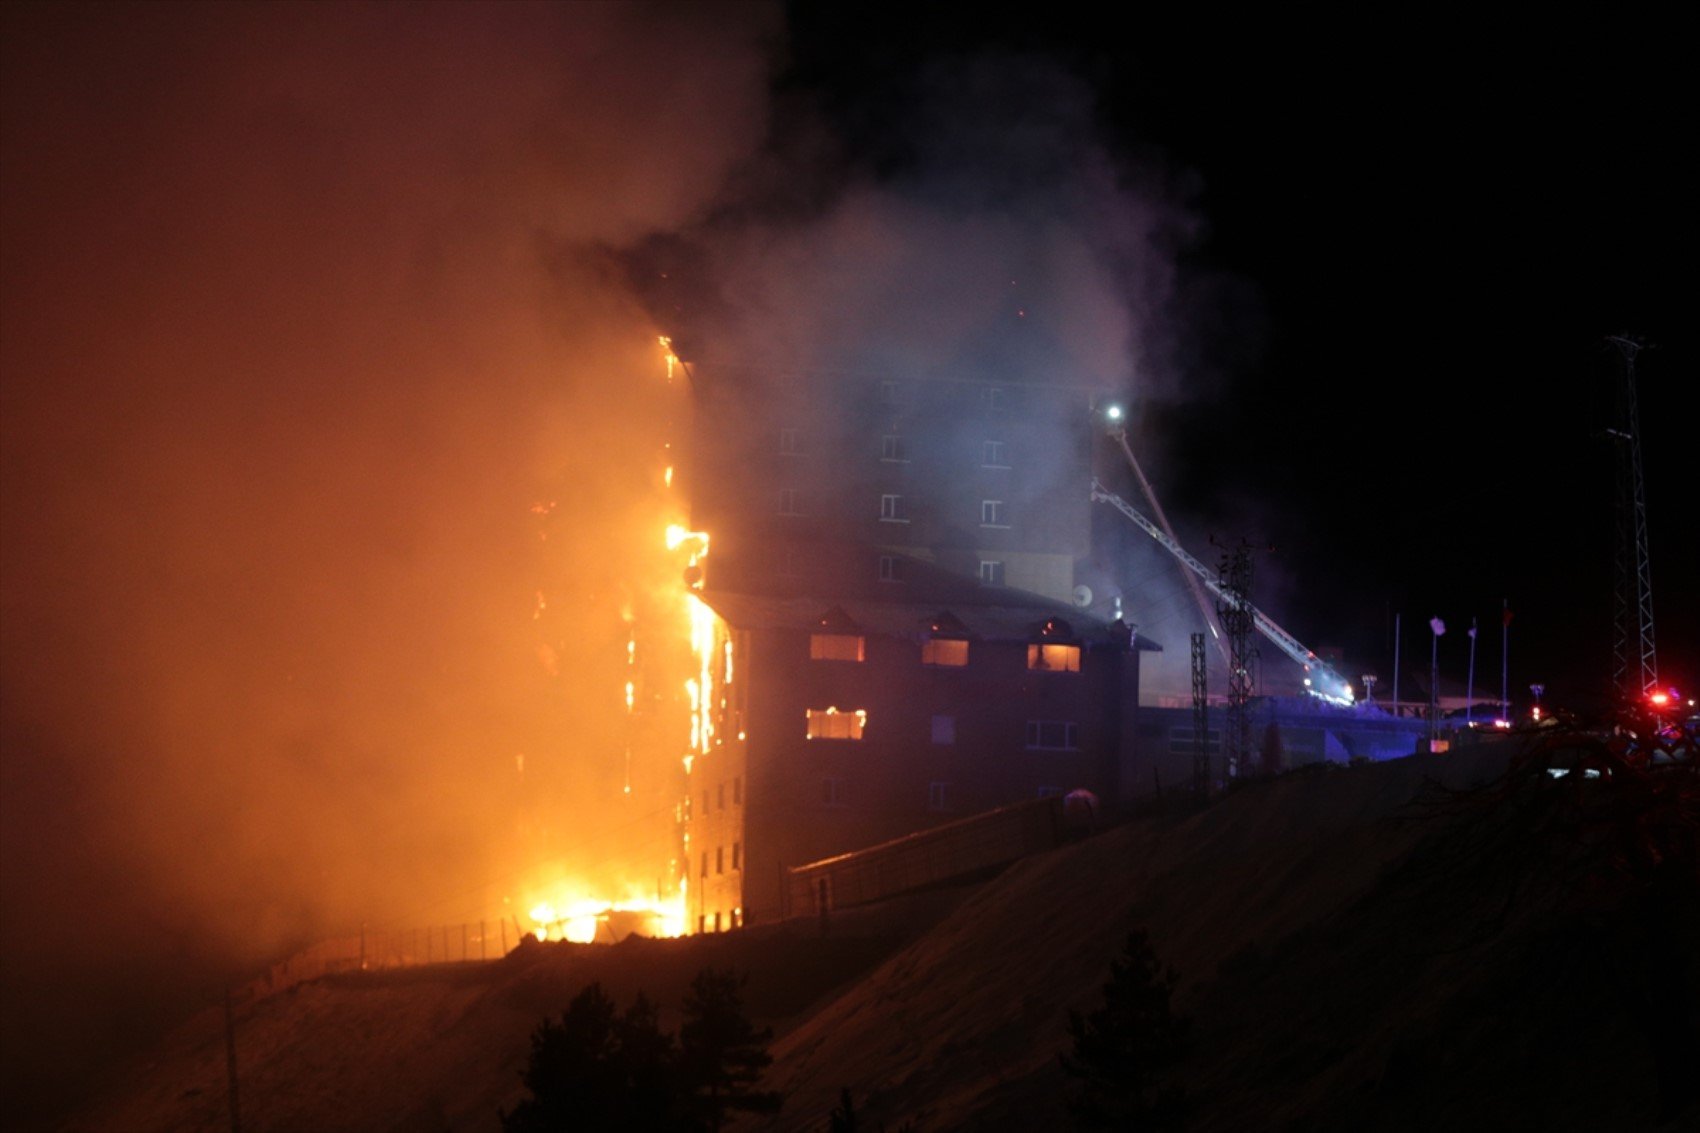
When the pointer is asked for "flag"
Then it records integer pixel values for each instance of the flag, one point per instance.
(1438, 626)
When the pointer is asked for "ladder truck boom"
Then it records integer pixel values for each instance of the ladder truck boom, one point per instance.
(1338, 689)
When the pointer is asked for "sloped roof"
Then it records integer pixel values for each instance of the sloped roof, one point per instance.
(1017, 616)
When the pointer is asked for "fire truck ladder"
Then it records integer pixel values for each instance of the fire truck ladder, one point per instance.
(1283, 640)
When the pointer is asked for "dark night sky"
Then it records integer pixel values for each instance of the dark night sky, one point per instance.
(306, 306)
(1434, 222)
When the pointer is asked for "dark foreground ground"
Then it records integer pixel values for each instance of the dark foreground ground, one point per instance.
(1361, 948)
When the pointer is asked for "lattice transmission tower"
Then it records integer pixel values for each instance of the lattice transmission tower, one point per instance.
(1234, 610)
(1635, 665)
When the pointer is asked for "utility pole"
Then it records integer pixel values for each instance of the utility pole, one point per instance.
(1436, 627)
(1635, 667)
(1200, 720)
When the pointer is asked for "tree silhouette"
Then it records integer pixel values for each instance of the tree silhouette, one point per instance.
(1121, 1049)
(595, 1070)
(722, 1055)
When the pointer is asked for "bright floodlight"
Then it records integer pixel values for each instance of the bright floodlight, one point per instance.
(1113, 412)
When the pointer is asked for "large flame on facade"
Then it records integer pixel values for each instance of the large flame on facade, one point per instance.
(657, 626)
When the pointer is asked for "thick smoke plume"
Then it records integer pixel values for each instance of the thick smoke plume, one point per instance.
(306, 308)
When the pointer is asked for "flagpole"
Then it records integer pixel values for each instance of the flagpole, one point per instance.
(1396, 618)
(1504, 658)
(1470, 695)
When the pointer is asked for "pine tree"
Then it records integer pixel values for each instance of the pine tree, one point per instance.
(722, 1055)
(1121, 1050)
(571, 1073)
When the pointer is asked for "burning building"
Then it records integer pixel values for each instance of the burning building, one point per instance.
(887, 629)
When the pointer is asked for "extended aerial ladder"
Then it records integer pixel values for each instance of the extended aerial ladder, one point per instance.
(1326, 683)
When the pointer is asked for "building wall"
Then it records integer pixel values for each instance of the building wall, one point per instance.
(953, 472)
(816, 798)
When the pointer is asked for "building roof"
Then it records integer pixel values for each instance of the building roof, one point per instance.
(1016, 616)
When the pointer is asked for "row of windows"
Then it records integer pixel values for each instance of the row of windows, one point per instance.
(720, 859)
(734, 919)
(894, 449)
(720, 795)
(940, 796)
(892, 509)
(834, 724)
(944, 652)
(993, 399)
(895, 569)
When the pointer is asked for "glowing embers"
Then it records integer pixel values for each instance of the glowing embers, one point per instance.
(832, 724)
(1054, 658)
(836, 647)
(586, 920)
(944, 651)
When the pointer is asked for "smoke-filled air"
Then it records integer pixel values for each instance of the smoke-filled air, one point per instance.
(337, 431)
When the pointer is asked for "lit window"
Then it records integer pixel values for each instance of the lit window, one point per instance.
(938, 796)
(891, 510)
(994, 454)
(944, 729)
(892, 568)
(1051, 735)
(788, 442)
(944, 651)
(991, 572)
(893, 449)
(832, 792)
(993, 514)
(835, 647)
(831, 724)
(788, 504)
(1054, 658)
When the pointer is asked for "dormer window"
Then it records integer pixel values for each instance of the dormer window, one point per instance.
(835, 647)
(1054, 652)
(1054, 658)
(836, 638)
(946, 643)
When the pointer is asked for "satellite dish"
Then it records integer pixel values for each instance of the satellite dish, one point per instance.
(1083, 596)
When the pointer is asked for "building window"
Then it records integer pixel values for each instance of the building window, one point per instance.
(788, 503)
(891, 510)
(893, 450)
(719, 859)
(832, 792)
(831, 724)
(705, 804)
(788, 442)
(891, 393)
(993, 513)
(737, 856)
(994, 454)
(1051, 735)
(893, 569)
(991, 572)
(835, 647)
(938, 797)
(705, 863)
(738, 791)
(944, 651)
(944, 729)
(720, 797)
(1054, 658)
